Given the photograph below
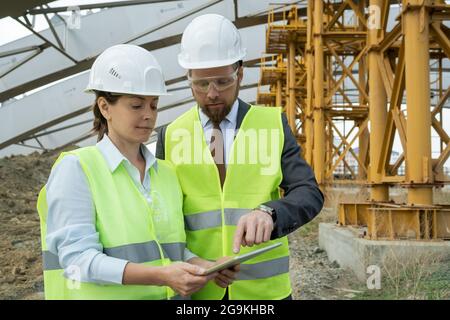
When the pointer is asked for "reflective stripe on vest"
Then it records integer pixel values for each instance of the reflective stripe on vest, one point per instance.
(213, 219)
(264, 269)
(50, 261)
(137, 253)
(175, 251)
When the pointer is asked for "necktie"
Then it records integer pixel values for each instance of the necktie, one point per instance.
(217, 151)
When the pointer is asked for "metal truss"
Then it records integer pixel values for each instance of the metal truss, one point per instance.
(339, 71)
(54, 42)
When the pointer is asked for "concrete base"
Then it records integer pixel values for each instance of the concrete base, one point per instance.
(346, 247)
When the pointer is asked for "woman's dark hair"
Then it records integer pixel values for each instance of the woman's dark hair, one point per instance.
(100, 123)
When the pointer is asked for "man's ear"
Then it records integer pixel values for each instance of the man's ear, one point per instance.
(241, 73)
(103, 106)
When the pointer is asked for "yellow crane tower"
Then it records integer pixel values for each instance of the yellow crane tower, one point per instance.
(341, 65)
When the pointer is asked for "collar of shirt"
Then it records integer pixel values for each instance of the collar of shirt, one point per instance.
(231, 116)
(114, 157)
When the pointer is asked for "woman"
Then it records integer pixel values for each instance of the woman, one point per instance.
(111, 214)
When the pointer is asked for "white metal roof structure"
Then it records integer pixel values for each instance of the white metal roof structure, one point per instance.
(61, 55)
(43, 75)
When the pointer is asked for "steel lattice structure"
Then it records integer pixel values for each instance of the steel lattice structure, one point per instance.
(341, 64)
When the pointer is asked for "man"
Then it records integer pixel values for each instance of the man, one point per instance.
(231, 190)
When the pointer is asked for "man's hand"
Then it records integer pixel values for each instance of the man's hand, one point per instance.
(227, 276)
(253, 228)
(222, 278)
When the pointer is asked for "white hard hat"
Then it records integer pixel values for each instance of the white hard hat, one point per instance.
(127, 69)
(210, 41)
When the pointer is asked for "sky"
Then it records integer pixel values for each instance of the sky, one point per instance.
(16, 31)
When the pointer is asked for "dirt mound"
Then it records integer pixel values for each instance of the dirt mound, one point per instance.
(21, 178)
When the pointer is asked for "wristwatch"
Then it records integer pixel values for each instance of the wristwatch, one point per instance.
(269, 210)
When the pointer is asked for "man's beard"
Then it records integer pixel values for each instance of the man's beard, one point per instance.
(216, 115)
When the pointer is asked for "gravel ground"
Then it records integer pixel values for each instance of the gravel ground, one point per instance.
(21, 178)
(313, 276)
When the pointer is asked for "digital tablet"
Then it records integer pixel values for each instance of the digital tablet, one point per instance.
(241, 258)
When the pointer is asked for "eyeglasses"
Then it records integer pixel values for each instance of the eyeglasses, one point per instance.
(221, 83)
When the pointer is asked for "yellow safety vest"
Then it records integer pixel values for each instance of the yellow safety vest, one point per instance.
(211, 214)
(128, 228)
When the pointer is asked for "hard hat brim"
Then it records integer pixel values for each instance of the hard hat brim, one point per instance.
(209, 64)
(159, 94)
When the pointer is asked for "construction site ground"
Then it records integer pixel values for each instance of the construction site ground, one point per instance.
(313, 276)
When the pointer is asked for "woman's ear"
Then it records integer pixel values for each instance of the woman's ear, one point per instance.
(103, 106)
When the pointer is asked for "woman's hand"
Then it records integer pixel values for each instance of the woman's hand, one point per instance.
(183, 278)
(223, 278)
(186, 278)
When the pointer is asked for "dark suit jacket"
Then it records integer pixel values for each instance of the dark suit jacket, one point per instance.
(302, 199)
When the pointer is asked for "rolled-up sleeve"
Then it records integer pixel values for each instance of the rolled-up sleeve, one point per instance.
(71, 231)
